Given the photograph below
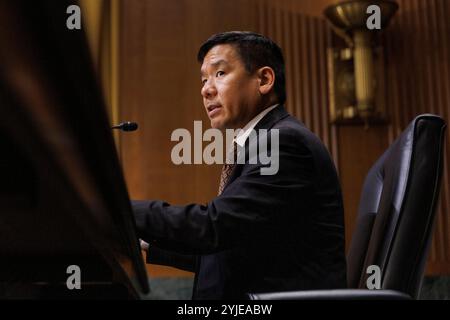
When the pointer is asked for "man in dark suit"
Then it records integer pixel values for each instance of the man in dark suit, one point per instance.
(263, 232)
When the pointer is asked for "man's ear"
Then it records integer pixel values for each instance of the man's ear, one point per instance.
(266, 77)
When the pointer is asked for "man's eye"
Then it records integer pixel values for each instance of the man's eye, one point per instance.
(203, 82)
(220, 73)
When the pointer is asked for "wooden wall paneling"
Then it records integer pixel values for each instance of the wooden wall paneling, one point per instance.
(307, 119)
(323, 91)
(393, 91)
(272, 21)
(441, 11)
(286, 44)
(406, 70)
(420, 84)
(418, 81)
(313, 57)
(295, 91)
(262, 13)
(358, 149)
(429, 97)
(303, 39)
(267, 27)
(147, 56)
(435, 81)
(396, 92)
(333, 130)
(160, 89)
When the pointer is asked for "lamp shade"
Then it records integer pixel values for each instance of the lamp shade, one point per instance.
(350, 15)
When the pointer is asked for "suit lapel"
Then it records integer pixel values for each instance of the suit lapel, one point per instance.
(267, 122)
(271, 118)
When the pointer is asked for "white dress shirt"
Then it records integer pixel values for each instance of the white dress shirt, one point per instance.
(244, 133)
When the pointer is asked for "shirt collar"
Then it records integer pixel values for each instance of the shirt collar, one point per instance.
(243, 134)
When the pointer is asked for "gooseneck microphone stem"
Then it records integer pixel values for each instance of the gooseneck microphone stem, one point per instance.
(126, 126)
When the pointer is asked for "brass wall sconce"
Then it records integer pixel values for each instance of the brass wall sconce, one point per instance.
(356, 72)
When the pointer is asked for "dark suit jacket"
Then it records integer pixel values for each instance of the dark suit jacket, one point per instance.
(264, 232)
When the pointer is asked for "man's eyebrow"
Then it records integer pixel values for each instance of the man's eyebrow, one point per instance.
(214, 64)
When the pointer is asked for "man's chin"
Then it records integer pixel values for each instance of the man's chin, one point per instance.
(217, 125)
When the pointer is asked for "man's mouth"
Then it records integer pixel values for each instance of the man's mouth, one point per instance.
(213, 110)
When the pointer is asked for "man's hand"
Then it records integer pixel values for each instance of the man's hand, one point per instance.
(144, 245)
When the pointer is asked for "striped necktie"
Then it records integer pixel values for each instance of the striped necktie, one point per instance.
(227, 169)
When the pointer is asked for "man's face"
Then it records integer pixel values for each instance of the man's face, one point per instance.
(230, 94)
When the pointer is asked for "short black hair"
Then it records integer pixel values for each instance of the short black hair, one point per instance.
(256, 51)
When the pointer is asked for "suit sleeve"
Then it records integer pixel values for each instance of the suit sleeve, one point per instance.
(249, 210)
(160, 256)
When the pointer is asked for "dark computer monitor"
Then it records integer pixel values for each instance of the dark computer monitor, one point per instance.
(63, 198)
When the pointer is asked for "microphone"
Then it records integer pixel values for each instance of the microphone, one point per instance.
(126, 126)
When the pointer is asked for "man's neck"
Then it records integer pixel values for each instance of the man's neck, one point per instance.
(243, 134)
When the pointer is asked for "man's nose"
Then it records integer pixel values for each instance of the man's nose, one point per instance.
(209, 89)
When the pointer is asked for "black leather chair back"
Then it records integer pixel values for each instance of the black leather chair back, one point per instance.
(398, 207)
